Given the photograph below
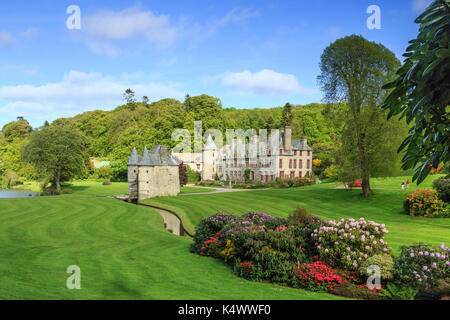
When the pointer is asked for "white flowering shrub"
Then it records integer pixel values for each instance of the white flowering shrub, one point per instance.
(347, 243)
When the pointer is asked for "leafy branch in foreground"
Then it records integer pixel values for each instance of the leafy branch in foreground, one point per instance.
(421, 93)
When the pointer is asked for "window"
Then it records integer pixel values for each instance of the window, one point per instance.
(295, 163)
(290, 163)
(308, 164)
(300, 164)
(281, 151)
(292, 174)
(281, 174)
(301, 153)
(295, 152)
(281, 163)
(300, 174)
(309, 153)
(307, 173)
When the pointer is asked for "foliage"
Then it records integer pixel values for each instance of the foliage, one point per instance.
(103, 172)
(10, 179)
(287, 115)
(16, 129)
(182, 171)
(331, 172)
(421, 92)
(193, 176)
(442, 186)
(346, 243)
(421, 266)
(56, 151)
(353, 71)
(383, 261)
(425, 203)
(351, 290)
(394, 292)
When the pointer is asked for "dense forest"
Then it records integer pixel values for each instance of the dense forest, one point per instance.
(110, 135)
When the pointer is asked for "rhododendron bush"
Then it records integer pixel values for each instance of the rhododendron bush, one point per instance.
(346, 243)
(422, 265)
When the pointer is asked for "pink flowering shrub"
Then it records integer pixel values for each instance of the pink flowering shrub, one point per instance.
(347, 243)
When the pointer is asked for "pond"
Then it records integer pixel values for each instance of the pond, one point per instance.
(13, 194)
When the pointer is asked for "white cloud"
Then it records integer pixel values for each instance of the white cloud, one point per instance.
(197, 32)
(106, 31)
(5, 38)
(29, 33)
(77, 92)
(103, 31)
(420, 5)
(263, 83)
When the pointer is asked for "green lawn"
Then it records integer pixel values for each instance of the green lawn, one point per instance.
(123, 251)
(195, 189)
(385, 206)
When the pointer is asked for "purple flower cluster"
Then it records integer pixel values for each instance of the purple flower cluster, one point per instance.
(247, 223)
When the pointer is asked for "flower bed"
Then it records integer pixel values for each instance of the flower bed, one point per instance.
(318, 255)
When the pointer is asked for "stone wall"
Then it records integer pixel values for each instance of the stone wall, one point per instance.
(158, 181)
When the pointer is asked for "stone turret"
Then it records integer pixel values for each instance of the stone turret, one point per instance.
(209, 159)
(133, 176)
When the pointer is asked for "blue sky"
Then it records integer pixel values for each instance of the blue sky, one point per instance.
(250, 54)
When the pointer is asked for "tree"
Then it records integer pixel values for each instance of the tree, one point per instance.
(129, 97)
(57, 152)
(183, 174)
(353, 71)
(421, 93)
(287, 114)
(16, 129)
(145, 100)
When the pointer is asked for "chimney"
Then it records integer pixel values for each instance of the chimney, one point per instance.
(287, 138)
(164, 155)
(303, 142)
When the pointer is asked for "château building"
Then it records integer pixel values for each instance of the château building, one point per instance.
(290, 159)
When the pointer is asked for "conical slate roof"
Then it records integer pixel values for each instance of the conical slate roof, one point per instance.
(157, 156)
(133, 159)
(210, 145)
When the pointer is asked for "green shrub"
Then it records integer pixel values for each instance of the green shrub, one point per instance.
(393, 292)
(383, 261)
(104, 172)
(350, 290)
(426, 203)
(442, 186)
(421, 266)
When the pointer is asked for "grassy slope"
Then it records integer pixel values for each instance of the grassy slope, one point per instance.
(122, 249)
(386, 206)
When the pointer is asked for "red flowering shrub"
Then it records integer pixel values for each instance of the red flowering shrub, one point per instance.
(211, 247)
(246, 268)
(317, 276)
